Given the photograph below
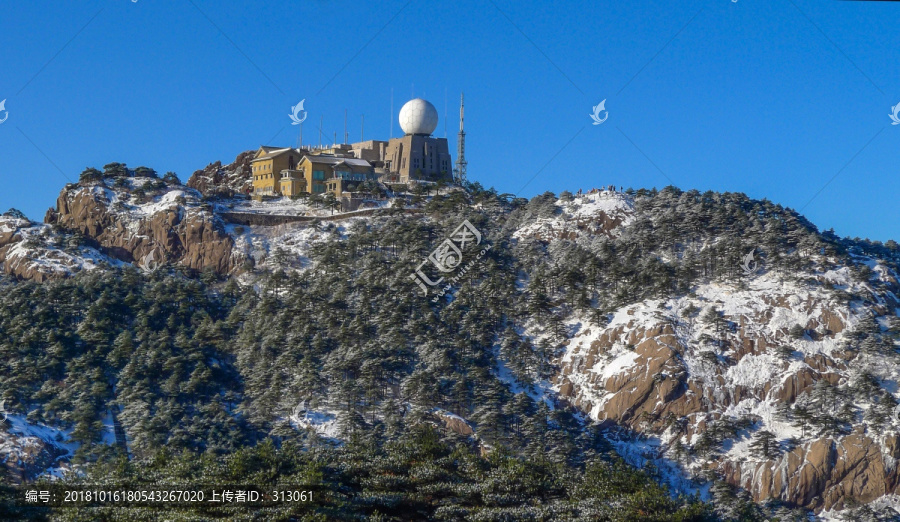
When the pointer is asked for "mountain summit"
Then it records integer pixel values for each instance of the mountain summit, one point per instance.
(722, 344)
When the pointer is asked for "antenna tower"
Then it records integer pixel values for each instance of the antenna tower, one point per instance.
(461, 162)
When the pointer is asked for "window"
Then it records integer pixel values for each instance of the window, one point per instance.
(319, 175)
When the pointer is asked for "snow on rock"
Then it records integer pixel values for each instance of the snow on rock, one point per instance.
(149, 223)
(454, 422)
(37, 252)
(284, 246)
(728, 355)
(133, 219)
(27, 449)
(285, 206)
(322, 422)
(227, 180)
(598, 213)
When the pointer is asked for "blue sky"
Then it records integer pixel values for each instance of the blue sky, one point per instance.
(784, 100)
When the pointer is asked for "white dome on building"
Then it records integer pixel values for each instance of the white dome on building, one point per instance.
(418, 116)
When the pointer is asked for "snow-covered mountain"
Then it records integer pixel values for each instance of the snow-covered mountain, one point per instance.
(711, 335)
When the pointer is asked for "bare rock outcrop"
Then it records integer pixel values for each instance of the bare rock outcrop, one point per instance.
(666, 373)
(596, 214)
(173, 229)
(825, 473)
(26, 456)
(35, 252)
(218, 180)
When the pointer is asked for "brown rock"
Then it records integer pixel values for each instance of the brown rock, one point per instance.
(186, 236)
(231, 179)
(456, 424)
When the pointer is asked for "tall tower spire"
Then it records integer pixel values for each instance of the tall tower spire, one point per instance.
(461, 162)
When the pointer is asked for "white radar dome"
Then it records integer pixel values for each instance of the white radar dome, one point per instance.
(418, 116)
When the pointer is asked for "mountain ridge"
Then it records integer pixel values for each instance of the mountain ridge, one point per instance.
(637, 309)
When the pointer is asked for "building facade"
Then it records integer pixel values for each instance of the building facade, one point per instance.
(372, 151)
(418, 157)
(322, 173)
(266, 168)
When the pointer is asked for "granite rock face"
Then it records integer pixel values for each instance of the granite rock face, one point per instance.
(660, 370)
(25, 455)
(218, 180)
(174, 227)
(35, 252)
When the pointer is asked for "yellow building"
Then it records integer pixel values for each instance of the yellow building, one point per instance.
(293, 183)
(266, 168)
(333, 174)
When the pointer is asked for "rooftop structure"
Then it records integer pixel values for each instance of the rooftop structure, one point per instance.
(418, 117)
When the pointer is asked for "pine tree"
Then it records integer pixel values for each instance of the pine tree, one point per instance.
(765, 445)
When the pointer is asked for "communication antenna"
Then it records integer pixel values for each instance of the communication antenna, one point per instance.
(461, 163)
(300, 137)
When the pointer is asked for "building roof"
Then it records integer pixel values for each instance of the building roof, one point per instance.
(334, 160)
(366, 144)
(271, 153)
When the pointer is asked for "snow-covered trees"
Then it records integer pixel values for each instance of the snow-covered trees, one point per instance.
(765, 445)
(348, 350)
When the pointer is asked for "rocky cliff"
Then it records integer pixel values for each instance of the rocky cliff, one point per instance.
(776, 370)
(218, 180)
(38, 252)
(29, 450)
(782, 386)
(146, 225)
